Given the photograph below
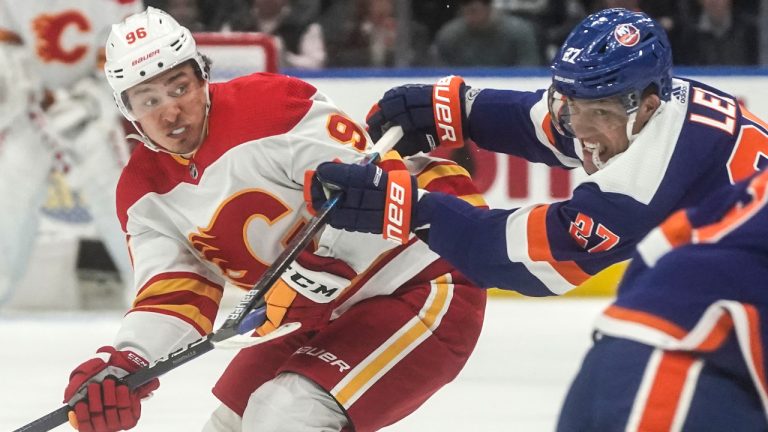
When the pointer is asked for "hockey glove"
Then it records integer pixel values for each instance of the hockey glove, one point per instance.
(430, 115)
(107, 405)
(372, 200)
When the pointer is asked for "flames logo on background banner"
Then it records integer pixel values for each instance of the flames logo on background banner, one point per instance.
(49, 29)
(224, 242)
(627, 35)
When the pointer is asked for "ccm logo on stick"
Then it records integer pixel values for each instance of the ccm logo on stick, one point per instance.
(397, 210)
(447, 107)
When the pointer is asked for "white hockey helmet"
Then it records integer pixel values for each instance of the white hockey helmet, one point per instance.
(144, 45)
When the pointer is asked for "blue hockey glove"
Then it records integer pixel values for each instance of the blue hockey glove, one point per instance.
(430, 115)
(372, 201)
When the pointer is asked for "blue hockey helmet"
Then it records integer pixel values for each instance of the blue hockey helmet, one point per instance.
(613, 52)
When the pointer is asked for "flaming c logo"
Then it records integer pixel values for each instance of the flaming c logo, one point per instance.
(224, 242)
(49, 29)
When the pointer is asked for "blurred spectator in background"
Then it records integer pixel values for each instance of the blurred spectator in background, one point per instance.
(364, 33)
(552, 19)
(434, 14)
(719, 35)
(186, 12)
(669, 14)
(299, 37)
(480, 36)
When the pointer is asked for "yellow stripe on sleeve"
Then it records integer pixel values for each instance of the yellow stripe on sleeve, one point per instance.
(189, 311)
(476, 200)
(426, 177)
(167, 286)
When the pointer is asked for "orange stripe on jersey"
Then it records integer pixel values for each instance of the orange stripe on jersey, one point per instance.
(737, 215)
(539, 250)
(402, 342)
(717, 335)
(667, 388)
(756, 344)
(748, 114)
(546, 126)
(677, 229)
(647, 319)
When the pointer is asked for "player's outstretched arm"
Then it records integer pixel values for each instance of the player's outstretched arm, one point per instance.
(391, 202)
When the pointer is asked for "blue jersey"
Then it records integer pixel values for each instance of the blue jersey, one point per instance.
(698, 141)
(697, 283)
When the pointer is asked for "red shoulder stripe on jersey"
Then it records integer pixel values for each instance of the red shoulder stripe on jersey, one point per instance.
(539, 249)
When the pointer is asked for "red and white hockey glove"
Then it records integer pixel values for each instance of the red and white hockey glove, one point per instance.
(305, 292)
(107, 404)
(431, 115)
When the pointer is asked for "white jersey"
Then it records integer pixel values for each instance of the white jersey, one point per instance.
(226, 214)
(68, 36)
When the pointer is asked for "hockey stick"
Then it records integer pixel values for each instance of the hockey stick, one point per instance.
(245, 317)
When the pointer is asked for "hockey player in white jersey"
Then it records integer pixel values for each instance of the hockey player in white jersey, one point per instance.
(56, 106)
(212, 196)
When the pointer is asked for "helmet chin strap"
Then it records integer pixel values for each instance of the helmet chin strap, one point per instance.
(144, 139)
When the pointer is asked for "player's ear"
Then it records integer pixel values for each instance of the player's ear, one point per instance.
(650, 104)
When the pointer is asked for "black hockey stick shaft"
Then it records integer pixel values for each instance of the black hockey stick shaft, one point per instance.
(236, 322)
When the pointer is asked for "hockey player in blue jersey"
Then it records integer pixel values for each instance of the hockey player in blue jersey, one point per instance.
(683, 346)
(652, 144)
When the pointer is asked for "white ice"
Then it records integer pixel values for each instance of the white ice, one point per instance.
(515, 381)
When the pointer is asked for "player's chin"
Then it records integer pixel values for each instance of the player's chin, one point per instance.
(180, 145)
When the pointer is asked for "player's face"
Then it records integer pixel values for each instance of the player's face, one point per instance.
(602, 122)
(171, 109)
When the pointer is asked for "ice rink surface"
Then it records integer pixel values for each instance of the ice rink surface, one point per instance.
(515, 381)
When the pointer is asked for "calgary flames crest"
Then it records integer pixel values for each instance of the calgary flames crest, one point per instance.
(225, 242)
(50, 28)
